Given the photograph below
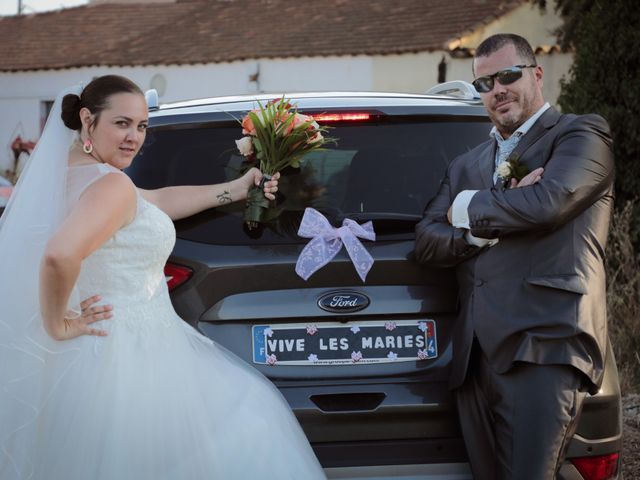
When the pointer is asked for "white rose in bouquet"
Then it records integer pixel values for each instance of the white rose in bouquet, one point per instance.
(277, 137)
(245, 146)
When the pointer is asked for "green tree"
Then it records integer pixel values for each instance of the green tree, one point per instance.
(604, 36)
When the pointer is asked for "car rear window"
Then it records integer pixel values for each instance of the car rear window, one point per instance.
(384, 171)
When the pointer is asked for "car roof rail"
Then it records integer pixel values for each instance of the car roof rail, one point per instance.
(151, 96)
(455, 88)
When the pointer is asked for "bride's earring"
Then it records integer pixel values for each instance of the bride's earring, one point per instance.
(87, 146)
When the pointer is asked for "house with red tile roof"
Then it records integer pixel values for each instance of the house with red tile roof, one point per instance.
(198, 48)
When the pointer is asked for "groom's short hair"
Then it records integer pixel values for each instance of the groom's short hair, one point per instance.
(496, 42)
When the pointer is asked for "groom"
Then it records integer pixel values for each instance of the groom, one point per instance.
(530, 337)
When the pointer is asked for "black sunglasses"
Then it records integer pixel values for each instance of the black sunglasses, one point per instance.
(504, 77)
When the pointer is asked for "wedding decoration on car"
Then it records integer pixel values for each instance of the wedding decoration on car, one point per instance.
(326, 242)
(276, 137)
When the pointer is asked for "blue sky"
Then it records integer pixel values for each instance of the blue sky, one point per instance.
(10, 7)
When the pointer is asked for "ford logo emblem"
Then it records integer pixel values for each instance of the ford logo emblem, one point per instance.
(343, 302)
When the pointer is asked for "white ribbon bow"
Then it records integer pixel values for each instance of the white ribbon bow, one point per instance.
(326, 242)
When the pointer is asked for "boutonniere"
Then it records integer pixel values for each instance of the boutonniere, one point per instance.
(512, 168)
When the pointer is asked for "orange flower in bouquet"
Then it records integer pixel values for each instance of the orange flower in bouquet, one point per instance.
(276, 136)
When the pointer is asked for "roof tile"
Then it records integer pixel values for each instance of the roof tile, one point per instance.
(211, 31)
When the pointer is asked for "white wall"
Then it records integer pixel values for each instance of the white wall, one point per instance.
(413, 72)
(21, 94)
(316, 74)
(555, 66)
(538, 28)
(527, 20)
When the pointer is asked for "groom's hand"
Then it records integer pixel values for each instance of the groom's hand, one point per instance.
(529, 179)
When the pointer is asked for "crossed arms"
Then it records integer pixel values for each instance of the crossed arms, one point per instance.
(578, 170)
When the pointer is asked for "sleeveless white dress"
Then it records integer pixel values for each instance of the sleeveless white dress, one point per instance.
(156, 400)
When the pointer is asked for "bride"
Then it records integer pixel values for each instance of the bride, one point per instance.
(117, 386)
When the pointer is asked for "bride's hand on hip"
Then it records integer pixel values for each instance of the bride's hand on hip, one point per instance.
(76, 325)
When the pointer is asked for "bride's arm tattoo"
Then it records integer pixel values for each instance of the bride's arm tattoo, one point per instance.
(224, 197)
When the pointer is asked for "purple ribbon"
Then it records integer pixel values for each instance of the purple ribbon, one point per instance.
(326, 242)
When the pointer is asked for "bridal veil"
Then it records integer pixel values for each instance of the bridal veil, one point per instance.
(35, 210)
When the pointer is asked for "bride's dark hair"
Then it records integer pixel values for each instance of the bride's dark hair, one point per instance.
(95, 97)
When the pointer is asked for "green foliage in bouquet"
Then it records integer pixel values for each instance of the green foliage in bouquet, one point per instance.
(276, 137)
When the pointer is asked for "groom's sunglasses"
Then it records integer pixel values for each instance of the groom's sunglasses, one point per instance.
(504, 77)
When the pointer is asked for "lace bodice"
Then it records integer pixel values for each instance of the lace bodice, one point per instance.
(128, 269)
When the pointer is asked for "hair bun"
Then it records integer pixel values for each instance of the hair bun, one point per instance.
(71, 106)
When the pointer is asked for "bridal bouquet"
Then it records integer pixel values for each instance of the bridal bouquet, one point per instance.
(276, 137)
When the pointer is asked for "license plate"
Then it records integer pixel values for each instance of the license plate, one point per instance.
(344, 343)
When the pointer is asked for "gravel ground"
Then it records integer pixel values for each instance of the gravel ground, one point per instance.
(631, 437)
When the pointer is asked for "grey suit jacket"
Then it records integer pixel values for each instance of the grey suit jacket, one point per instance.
(538, 295)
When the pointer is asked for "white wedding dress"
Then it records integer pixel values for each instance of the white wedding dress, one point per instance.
(153, 400)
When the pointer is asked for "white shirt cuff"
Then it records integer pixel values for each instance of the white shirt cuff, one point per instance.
(459, 209)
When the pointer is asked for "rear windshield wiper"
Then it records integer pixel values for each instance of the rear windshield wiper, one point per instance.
(386, 222)
(392, 216)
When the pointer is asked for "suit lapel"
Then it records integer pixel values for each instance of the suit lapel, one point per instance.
(486, 164)
(539, 128)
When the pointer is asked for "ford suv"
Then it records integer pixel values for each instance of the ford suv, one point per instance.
(363, 365)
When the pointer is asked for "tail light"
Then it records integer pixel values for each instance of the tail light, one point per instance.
(602, 467)
(176, 275)
(341, 117)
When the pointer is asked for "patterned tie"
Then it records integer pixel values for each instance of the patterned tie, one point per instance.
(505, 147)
